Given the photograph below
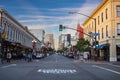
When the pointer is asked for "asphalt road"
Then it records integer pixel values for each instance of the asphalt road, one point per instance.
(57, 67)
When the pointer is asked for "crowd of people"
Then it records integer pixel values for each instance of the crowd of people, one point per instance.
(7, 57)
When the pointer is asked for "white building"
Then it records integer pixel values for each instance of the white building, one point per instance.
(16, 37)
(39, 33)
(73, 40)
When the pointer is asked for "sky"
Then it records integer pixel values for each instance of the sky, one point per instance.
(49, 14)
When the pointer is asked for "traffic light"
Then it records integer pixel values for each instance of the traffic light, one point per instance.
(60, 27)
(96, 44)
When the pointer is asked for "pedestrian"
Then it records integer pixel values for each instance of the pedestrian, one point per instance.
(88, 55)
(75, 54)
(78, 56)
(25, 56)
(95, 57)
(9, 56)
(2, 57)
(29, 57)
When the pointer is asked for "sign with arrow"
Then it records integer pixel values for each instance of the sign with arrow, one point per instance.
(96, 34)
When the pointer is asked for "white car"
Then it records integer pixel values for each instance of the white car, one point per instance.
(39, 56)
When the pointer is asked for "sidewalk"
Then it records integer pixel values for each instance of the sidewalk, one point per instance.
(104, 62)
(116, 63)
(12, 61)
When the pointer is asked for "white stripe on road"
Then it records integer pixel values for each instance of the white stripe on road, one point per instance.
(106, 69)
(57, 71)
(8, 66)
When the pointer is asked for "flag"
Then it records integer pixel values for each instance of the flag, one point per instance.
(3, 35)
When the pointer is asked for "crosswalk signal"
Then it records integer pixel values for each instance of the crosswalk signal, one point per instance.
(60, 27)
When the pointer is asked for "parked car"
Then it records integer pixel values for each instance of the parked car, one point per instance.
(39, 56)
(70, 54)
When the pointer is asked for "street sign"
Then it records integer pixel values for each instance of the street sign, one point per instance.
(96, 34)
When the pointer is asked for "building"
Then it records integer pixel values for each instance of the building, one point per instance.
(73, 40)
(107, 19)
(49, 40)
(39, 33)
(63, 41)
(14, 37)
(67, 41)
(79, 32)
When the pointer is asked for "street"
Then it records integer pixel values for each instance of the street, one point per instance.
(58, 67)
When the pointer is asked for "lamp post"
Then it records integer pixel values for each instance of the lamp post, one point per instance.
(95, 51)
(34, 45)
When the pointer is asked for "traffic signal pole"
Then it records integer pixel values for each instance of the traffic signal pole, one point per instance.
(61, 27)
(95, 50)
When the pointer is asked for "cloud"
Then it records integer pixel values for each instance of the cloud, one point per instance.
(63, 9)
(60, 16)
(86, 9)
(41, 26)
(29, 19)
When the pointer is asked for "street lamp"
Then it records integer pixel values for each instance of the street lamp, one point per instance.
(34, 45)
(95, 55)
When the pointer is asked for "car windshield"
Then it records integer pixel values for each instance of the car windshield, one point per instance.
(59, 39)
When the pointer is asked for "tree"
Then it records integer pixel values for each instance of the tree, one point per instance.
(83, 45)
(65, 48)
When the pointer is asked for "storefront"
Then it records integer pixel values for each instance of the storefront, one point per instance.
(118, 52)
(104, 52)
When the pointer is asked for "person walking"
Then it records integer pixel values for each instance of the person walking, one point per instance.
(29, 57)
(9, 56)
(2, 58)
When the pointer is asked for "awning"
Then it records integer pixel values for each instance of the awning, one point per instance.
(118, 46)
(101, 46)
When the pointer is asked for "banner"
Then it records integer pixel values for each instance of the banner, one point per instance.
(3, 35)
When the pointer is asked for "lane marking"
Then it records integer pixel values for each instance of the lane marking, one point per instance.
(8, 66)
(106, 69)
(57, 71)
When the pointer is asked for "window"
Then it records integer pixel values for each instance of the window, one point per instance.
(102, 33)
(102, 17)
(118, 11)
(98, 20)
(106, 30)
(106, 12)
(89, 27)
(118, 29)
(92, 25)
(99, 35)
